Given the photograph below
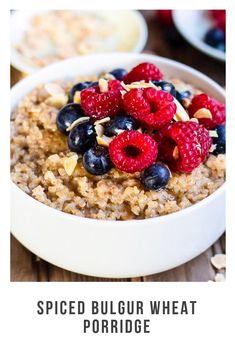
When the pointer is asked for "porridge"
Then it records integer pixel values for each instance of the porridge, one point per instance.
(124, 145)
(61, 34)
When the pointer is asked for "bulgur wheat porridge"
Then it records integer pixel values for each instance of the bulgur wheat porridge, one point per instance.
(45, 168)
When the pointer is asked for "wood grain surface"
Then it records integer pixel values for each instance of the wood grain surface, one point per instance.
(27, 267)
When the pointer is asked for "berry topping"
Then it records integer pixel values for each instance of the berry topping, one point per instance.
(154, 108)
(118, 73)
(156, 176)
(220, 141)
(79, 87)
(180, 96)
(215, 37)
(119, 123)
(67, 115)
(97, 104)
(165, 17)
(132, 151)
(184, 145)
(97, 161)
(82, 137)
(166, 86)
(216, 109)
(144, 71)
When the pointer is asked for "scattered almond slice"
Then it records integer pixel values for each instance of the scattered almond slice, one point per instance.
(102, 121)
(77, 97)
(213, 147)
(104, 140)
(213, 133)
(57, 101)
(125, 86)
(54, 89)
(181, 114)
(203, 113)
(123, 92)
(103, 84)
(195, 120)
(186, 102)
(219, 261)
(219, 277)
(70, 164)
(108, 76)
(77, 122)
(99, 129)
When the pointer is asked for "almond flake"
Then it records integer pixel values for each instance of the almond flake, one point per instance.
(99, 129)
(77, 97)
(219, 277)
(57, 101)
(203, 113)
(195, 120)
(213, 147)
(181, 114)
(103, 84)
(123, 92)
(186, 102)
(103, 141)
(219, 261)
(54, 89)
(102, 121)
(213, 133)
(108, 76)
(77, 122)
(124, 86)
(70, 164)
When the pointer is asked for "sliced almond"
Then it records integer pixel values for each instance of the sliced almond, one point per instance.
(213, 133)
(57, 101)
(54, 89)
(103, 141)
(102, 121)
(99, 129)
(103, 84)
(195, 120)
(108, 76)
(186, 102)
(125, 86)
(203, 113)
(77, 122)
(123, 92)
(219, 261)
(219, 277)
(213, 147)
(77, 97)
(181, 114)
(70, 164)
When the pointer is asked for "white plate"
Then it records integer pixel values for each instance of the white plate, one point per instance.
(116, 248)
(125, 22)
(193, 25)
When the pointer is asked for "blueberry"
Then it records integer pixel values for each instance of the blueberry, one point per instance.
(182, 95)
(118, 73)
(215, 37)
(155, 177)
(221, 46)
(166, 86)
(82, 137)
(97, 161)
(120, 123)
(220, 141)
(67, 115)
(79, 87)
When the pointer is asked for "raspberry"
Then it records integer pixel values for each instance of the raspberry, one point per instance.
(219, 17)
(99, 105)
(165, 17)
(143, 71)
(154, 108)
(132, 151)
(216, 108)
(184, 145)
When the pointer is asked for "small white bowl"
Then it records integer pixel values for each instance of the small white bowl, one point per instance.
(128, 19)
(193, 25)
(116, 248)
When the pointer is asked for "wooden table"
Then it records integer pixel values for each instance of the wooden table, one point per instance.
(26, 266)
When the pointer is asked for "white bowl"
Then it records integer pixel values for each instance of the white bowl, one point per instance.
(132, 19)
(116, 248)
(193, 25)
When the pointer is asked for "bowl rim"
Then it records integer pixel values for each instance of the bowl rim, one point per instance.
(21, 65)
(195, 42)
(121, 223)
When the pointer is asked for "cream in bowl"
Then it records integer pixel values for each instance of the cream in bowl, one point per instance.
(123, 149)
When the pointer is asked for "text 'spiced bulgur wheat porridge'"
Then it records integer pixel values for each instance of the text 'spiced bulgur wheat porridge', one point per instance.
(123, 145)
